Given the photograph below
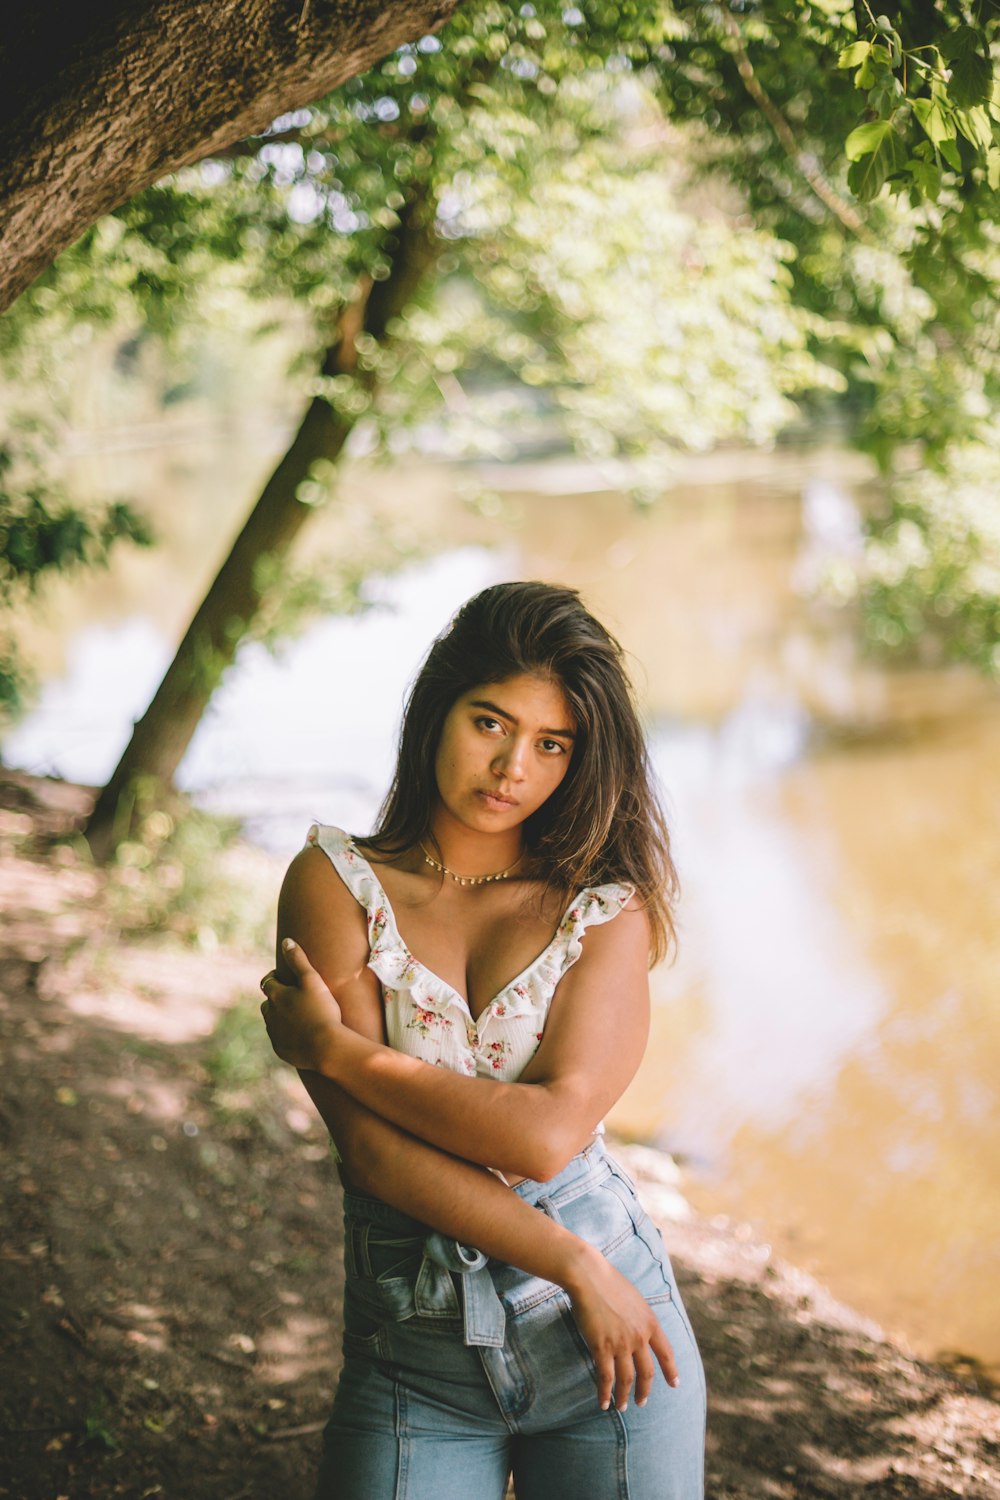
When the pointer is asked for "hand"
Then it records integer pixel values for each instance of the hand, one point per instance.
(301, 1018)
(621, 1330)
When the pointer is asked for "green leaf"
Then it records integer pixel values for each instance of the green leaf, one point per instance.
(864, 139)
(877, 66)
(854, 54)
(993, 167)
(894, 51)
(975, 126)
(874, 163)
(949, 150)
(886, 95)
(960, 42)
(927, 176)
(865, 77)
(939, 125)
(971, 80)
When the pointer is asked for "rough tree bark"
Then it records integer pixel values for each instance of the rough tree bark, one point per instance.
(164, 732)
(97, 101)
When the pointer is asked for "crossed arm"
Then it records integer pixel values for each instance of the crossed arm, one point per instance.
(593, 1042)
(420, 1137)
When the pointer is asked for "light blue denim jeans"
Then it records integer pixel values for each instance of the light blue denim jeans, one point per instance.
(459, 1369)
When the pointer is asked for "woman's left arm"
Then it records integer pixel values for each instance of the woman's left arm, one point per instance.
(594, 1039)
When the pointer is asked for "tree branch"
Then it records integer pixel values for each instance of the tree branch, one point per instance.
(803, 161)
(99, 101)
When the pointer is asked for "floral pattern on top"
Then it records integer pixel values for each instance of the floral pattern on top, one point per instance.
(425, 1021)
(425, 1016)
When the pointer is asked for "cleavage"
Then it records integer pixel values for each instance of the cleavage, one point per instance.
(434, 948)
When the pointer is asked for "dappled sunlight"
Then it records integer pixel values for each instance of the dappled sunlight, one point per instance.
(299, 1346)
(949, 1419)
(40, 904)
(34, 888)
(867, 1470)
(762, 1406)
(164, 994)
(165, 1101)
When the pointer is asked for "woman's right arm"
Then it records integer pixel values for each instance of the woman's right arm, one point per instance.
(451, 1195)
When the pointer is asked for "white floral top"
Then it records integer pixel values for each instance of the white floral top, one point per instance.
(425, 1016)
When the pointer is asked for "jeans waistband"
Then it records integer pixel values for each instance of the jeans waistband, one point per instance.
(483, 1316)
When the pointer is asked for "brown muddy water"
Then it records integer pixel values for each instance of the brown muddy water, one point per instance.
(825, 1052)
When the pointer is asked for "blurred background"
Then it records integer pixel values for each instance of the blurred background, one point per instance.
(543, 298)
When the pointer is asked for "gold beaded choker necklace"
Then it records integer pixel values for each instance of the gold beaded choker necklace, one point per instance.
(468, 879)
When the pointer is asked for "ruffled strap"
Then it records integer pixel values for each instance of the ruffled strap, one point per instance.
(389, 959)
(353, 869)
(594, 905)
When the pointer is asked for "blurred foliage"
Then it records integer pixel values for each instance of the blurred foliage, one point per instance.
(870, 142)
(239, 1053)
(189, 874)
(585, 268)
(912, 275)
(43, 531)
(929, 579)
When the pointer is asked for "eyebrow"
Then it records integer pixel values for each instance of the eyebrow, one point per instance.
(501, 713)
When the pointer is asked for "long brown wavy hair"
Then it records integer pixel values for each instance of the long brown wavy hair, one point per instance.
(603, 822)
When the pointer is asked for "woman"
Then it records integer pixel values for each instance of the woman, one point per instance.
(465, 993)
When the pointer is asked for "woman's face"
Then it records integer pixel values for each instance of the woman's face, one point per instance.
(504, 748)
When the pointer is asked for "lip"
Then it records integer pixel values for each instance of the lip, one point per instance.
(496, 799)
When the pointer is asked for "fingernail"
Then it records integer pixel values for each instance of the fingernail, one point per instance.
(676, 1380)
(287, 944)
(624, 1406)
(605, 1405)
(643, 1401)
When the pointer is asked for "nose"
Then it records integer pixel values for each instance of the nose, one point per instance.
(510, 763)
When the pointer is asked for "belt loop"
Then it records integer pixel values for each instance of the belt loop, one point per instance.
(548, 1207)
(362, 1259)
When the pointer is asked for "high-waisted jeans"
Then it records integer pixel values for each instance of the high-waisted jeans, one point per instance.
(458, 1369)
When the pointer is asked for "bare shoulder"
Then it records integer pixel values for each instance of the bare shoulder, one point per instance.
(619, 946)
(316, 908)
(635, 914)
(310, 869)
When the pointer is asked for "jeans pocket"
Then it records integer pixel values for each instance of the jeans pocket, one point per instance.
(642, 1255)
(362, 1323)
(379, 1299)
(381, 1272)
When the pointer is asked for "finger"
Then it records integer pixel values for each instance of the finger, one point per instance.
(663, 1349)
(605, 1367)
(645, 1370)
(295, 957)
(269, 978)
(624, 1375)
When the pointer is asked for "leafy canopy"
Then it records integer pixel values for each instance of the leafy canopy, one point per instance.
(546, 154)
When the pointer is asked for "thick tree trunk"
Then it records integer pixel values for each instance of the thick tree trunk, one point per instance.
(164, 732)
(97, 101)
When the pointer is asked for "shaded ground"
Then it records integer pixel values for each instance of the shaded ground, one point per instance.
(170, 1262)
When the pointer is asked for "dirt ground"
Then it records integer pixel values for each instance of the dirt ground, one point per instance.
(170, 1273)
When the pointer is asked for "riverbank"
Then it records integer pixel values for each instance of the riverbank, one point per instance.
(170, 1268)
